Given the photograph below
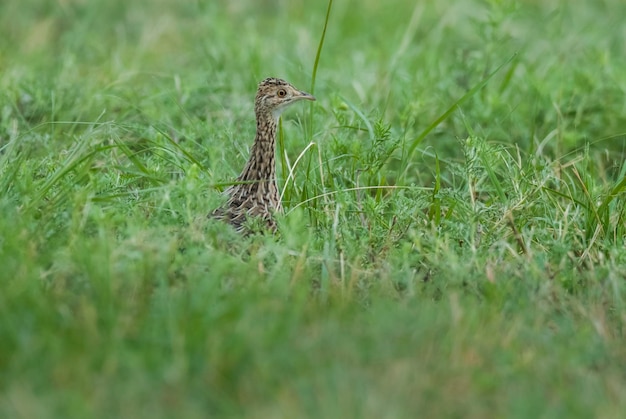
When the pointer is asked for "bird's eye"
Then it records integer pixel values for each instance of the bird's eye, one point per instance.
(282, 93)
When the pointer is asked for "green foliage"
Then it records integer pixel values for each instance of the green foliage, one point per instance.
(453, 240)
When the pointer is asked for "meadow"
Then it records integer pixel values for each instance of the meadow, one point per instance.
(453, 236)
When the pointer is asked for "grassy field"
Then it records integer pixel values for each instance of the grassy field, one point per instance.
(453, 243)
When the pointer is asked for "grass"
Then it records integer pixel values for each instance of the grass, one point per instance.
(453, 243)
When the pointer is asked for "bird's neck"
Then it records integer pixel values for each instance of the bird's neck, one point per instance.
(262, 162)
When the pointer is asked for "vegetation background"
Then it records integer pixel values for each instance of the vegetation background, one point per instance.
(453, 244)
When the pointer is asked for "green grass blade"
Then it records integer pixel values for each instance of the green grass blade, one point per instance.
(418, 140)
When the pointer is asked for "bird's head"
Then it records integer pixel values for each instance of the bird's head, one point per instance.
(274, 95)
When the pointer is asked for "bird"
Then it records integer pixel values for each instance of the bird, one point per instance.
(254, 195)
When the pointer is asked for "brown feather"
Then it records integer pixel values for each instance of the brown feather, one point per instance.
(255, 195)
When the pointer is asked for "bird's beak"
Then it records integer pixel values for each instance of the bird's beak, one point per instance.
(305, 95)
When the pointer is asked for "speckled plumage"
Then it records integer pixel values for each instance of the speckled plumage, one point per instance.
(256, 195)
